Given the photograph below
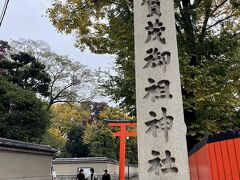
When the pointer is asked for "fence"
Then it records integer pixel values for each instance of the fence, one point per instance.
(74, 177)
(216, 157)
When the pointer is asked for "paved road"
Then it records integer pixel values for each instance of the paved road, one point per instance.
(133, 178)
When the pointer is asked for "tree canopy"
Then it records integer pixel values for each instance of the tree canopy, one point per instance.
(70, 80)
(75, 146)
(22, 115)
(207, 32)
(4, 46)
(100, 140)
(65, 121)
(24, 70)
(112, 113)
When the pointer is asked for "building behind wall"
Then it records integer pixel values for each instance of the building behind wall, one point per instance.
(68, 167)
(25, 161)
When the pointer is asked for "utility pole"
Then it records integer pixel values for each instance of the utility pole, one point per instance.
(4, 11)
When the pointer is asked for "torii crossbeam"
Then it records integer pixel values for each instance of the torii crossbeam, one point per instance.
(123, 133)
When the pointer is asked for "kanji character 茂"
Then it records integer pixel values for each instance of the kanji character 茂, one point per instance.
(155, 31)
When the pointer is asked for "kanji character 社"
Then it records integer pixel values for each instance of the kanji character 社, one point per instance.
(167, 163)
(155, 163)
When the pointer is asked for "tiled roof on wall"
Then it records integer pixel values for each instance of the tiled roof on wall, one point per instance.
(9, 143)
(85, 159)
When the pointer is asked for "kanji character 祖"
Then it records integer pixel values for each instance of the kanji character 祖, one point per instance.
(159, 90)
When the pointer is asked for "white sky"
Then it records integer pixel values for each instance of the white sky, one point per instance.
(27, 19)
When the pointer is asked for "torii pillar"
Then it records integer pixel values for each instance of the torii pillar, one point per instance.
(123, 133)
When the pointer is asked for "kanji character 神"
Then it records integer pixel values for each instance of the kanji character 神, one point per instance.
(165, 123)
(153, 124)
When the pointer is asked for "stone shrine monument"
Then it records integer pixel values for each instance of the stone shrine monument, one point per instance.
(162, 149)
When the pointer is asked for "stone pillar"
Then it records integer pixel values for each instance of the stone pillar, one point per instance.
(162, 149)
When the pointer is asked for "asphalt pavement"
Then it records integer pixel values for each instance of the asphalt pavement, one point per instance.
(134, 178)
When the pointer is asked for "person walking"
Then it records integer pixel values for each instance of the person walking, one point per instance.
(54, 175)
(92, 176)
(80, 175)
(106, 176)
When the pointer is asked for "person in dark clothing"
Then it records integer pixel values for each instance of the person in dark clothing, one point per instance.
(80, 175)
(106, 176)
(92, 176)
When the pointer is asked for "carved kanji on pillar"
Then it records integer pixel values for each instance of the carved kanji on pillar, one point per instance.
(162, 150)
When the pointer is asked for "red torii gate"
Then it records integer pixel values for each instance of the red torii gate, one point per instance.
(123, 133)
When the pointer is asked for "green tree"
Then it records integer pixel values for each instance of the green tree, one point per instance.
(113, 35)
(55, 139)
(22, 115)
(206, 30)
(131, 142)
(4, 46)
(70, 80)
(64, 120)
(132, 150)
(217, 95)
(24, 70)
(95, 108)
(103, 143)
(100, 140)
(65, 116)
(112, 113)
(75, 146)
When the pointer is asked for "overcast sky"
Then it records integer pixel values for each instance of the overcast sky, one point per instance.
(27, 19)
